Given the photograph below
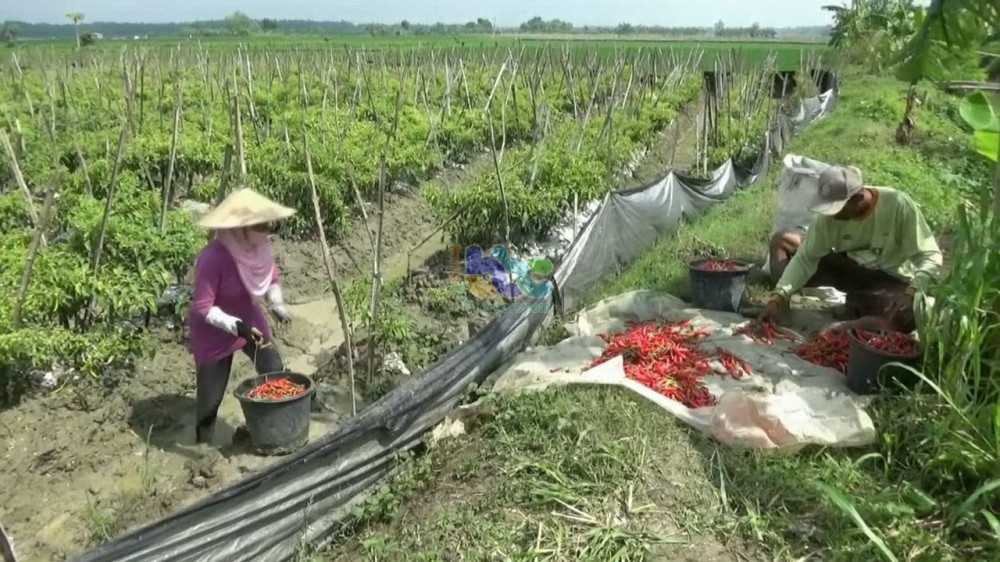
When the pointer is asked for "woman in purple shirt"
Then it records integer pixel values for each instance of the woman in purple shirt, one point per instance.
(233, 275)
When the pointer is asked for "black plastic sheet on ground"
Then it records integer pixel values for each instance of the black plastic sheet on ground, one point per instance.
(305, 498)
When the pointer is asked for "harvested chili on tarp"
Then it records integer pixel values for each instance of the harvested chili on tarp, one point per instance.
(763, 332)
(733, 364)
(721, 265)
(828, 349)
(666, 358)
(276, 389)
(893, 343)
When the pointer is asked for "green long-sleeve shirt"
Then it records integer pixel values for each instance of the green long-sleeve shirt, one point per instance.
(894, 238)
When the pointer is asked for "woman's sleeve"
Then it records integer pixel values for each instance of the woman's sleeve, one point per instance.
(274, 295)
(206, 283)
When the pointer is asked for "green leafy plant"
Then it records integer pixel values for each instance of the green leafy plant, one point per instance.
(978, 112)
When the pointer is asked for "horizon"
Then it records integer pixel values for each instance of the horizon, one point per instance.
(503, 13)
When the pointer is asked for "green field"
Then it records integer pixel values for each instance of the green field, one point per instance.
(788, 54)
(129, 132)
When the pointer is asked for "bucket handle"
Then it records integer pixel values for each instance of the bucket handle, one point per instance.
(257, 348)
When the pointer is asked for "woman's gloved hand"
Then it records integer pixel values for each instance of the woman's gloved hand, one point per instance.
(277, 301)
(281, 313)
(249, 333)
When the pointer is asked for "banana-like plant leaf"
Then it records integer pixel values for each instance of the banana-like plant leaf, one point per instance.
(988, 143)
(978, 113)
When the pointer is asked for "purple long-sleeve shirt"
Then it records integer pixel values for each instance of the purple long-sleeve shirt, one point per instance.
(217, 283)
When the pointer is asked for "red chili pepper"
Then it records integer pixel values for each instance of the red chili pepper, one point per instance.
(733, 364)
(666, 357)
(763, 332)
(276, 389)
(721, 265)
(892, 343)
(827, 350)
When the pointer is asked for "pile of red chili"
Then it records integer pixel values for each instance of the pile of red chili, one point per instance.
(276, 389)
(665, 357)
(824, 349)
(827, 350)
(763, 332)
(890, 344)
(721, 265)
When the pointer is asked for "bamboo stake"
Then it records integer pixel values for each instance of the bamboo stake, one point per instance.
(330, 269)
(36, 242)
(377, 273)
(238, 131)
(7, 547)
(24, 89)
(22, 144)
(83, 166)
(142, 93)
(19, 178)
(168, 182)
(95, 260)
(503, 193)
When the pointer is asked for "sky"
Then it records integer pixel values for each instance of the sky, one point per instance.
(673, 13)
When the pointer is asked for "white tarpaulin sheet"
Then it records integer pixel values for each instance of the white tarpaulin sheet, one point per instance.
(783, 403)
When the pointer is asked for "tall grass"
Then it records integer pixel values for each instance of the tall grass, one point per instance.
(941, 440)
(944, 436)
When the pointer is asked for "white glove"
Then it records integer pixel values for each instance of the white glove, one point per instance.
(277, 301)
(281, 313)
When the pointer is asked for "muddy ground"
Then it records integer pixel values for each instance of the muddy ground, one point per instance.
(87, 462)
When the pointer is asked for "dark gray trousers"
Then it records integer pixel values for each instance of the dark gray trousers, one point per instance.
(213, 378)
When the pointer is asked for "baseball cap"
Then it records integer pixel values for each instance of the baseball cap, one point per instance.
(837, 185)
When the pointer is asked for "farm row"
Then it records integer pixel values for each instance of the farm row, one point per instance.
(124, 138)
(788, 53)
(491, 148)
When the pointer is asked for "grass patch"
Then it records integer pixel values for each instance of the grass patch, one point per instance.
(882, 503)
(588, 474)
(936, 171)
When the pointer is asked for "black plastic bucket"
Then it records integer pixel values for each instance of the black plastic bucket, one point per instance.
(277, 427)
(865, 373)
(717, 290)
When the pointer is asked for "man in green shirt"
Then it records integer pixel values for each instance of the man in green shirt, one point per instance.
(871, 243)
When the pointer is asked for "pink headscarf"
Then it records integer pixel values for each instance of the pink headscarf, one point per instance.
(251, 250)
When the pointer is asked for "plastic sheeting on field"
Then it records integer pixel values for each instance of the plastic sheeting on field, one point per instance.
(305, 497)
(783, 403)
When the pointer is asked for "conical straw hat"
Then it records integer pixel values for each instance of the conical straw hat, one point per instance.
(244, 207)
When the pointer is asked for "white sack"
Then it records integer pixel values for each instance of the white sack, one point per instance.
(797, 186)
(783, 403)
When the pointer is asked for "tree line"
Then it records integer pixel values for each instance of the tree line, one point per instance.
(240, 24)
